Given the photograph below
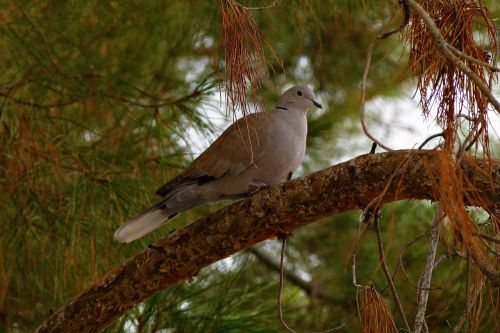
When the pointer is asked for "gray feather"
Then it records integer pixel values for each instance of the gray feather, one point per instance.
(143, 224)
(154, 217)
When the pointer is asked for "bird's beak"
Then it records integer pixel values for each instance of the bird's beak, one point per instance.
(316, 104)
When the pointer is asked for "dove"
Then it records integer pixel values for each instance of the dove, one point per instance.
(257, 151)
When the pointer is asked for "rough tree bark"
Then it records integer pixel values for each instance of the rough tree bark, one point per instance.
(277, 210)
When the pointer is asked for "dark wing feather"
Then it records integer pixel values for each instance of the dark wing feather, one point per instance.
(178, 182)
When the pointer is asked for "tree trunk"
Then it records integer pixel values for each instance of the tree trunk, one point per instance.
(271, 212)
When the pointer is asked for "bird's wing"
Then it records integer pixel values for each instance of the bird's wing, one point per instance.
(234, 151)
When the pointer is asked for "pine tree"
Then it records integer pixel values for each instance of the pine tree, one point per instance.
(102, 102)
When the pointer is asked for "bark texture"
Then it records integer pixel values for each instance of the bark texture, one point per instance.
(277, 210)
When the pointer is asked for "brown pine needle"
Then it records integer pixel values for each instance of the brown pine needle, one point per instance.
(452, 70)
(374, 314)
(246, 64)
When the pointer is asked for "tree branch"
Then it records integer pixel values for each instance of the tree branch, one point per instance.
(385, 269)
(277, 210)
(444, 48)
(309, 288)
(424, 283)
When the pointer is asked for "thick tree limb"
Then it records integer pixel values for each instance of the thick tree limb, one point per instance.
(277, 210)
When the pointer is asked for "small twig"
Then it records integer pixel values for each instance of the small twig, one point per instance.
(376, 220)
(491, 250)
(381, 36)
(467, 294)
(429, 139)
(354, 253)
(426, 277)
(280, 291)
(487, 237)
(469, 141)
(402, 25)
(291, 276)
(7, 96)
(363, 97)
(473, 135)
(445, 49)
(469, 118)
(462, 55)
(280, 288)
(441, 258)
(401, 265)
(374, 204)
(460, 323)
(361, 231)
(464, 316)
(273, 4)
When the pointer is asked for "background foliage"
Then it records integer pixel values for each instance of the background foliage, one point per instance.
(101, 102)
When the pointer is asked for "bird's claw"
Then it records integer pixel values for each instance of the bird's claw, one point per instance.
(257, 185)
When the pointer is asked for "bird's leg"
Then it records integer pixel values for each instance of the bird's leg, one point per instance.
(257, 185)
(159, 248)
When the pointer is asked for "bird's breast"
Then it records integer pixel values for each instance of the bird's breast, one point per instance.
(281, 151)
(287, 148)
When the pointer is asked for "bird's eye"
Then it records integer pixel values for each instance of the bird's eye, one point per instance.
(299, 93)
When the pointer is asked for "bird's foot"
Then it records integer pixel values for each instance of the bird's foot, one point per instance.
(257, 185)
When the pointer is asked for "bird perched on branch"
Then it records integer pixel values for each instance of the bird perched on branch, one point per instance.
(257, 151)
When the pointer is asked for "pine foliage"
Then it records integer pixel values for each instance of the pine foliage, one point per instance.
(101, 102)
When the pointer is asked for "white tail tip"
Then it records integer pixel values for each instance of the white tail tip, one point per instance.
(141, 225)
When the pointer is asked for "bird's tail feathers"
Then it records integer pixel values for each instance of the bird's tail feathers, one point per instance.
(149, 220)
(177, 201)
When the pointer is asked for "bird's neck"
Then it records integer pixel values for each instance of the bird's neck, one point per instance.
(293, 117)
(290, 107)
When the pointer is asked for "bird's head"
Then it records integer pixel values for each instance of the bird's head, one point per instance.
(298, 97)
